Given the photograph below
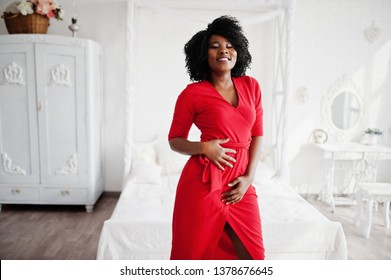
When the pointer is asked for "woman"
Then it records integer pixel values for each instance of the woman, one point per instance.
(216, 214)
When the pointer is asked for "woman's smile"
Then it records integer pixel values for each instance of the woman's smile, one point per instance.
(224, 59)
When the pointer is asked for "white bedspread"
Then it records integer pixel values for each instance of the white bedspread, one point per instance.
(140, 226)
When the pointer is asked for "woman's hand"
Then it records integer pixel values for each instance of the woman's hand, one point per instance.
(239, 188)
(217, 154)
(211, 149)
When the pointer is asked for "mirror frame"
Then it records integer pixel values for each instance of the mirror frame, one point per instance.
(343, 84)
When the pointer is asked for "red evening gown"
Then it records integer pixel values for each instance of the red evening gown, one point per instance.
(199, 214)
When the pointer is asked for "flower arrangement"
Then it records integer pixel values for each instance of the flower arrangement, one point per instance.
(49, 8)
(31, 16)
(374, 131)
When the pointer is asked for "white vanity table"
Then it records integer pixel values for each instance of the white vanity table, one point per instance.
(343, 116)
(364, 159)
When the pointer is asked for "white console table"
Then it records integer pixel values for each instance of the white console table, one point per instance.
(365, 158)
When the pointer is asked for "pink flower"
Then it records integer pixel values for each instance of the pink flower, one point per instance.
(50, 14)
(43, 8)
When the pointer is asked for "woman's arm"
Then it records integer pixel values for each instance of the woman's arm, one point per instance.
(255, 154)
(241, 184)
(211, 149)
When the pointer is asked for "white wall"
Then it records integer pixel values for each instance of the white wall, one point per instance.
(328, 43)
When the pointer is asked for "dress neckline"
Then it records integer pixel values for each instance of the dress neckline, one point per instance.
(222, 97)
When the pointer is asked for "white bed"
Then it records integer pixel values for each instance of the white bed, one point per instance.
(140, 226)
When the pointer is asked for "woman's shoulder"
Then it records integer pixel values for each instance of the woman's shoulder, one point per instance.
(248, 80)
(192, 91)
(196, 86)
(248, 84)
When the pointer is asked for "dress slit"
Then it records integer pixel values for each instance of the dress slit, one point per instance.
(225, 249)
(235, 235)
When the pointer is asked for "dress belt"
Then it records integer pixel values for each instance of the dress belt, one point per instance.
(211, 173)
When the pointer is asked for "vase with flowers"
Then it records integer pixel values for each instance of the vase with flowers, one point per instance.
(31, 16)
(373, 135)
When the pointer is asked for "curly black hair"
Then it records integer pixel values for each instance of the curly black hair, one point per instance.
(196, 49)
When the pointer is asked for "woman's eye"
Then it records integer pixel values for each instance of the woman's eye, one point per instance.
(217, 46)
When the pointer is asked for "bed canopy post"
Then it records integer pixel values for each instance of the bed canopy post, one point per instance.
(285, 62)
(130, 84)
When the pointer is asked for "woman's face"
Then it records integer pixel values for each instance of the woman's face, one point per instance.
(221, 54)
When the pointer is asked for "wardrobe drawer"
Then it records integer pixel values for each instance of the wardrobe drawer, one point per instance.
(19, 194)
(65, 195)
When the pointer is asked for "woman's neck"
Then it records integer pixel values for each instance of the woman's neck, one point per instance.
(221, 81)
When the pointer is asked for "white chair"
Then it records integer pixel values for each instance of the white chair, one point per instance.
(372, 192)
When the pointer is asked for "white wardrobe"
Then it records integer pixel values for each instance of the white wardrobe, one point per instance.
(50, 120)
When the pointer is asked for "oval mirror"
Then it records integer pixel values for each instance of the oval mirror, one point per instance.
(345, 110)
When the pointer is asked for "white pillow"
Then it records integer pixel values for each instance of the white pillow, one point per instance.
(144, 152)
(171, 162)
(146, 173)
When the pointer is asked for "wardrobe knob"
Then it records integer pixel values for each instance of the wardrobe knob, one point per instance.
(65, 192)
(15, 191)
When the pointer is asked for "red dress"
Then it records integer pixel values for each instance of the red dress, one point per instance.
(199, 214)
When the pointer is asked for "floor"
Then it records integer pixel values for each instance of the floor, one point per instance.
(68, 232)
(53, 232)
(376, 247)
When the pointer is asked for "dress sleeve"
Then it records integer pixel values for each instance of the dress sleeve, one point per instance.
(183, 117)
(257, 129)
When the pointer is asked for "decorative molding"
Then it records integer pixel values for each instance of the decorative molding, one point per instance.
(78, 42)
(371, 33)
(70, 166)
(60, 75)
(13, 74)
(9, 168)
(302, 94)
(34, 39)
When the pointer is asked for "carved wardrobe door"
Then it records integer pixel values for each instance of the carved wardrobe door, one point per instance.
(62, 114)
(18, 115)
